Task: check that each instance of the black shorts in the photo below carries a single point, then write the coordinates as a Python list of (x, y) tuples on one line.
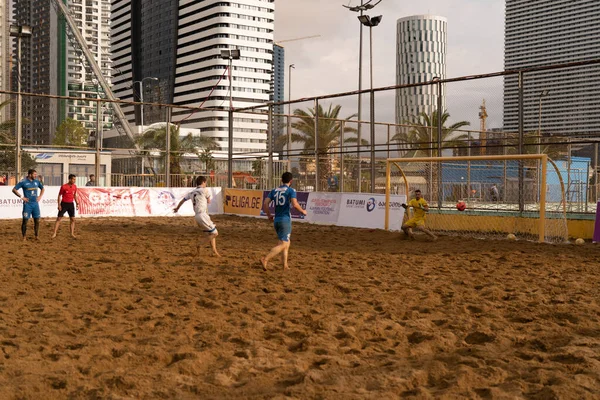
[(67, 208)]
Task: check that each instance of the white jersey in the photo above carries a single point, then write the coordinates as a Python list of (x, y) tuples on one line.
[(199, 197)]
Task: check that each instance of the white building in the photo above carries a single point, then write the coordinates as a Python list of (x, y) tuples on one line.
[(421, 44), (172, 52), (93, 19), (544, 32)]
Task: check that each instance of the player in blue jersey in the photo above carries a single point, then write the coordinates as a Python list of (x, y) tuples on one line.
[(284, 198), (31, 201)]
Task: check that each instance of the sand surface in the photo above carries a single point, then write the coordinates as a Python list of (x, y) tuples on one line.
[(127, 312)]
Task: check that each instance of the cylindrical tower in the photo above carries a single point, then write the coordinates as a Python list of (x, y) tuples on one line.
[(420, 57)]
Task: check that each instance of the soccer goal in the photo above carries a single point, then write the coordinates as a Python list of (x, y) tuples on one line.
[(484, 196)]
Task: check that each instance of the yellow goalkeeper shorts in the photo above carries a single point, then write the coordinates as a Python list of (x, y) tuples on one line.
[(414, 222)]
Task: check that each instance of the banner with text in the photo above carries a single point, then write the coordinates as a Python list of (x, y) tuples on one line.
[(368, 211), (323, 207), (302, 198), (12, 207), (243, 202), (114, 202), (164, 200)]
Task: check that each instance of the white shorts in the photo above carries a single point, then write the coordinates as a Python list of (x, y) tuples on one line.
[(205, 223)]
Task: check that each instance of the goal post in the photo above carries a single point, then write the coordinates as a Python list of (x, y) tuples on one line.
[(502, 194)]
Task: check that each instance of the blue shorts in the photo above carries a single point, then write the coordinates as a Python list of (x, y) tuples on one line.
[(31, 210), (284, 230)]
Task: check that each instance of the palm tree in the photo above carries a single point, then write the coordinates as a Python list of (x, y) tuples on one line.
[(155, 139), (421, 136), (328, 134)]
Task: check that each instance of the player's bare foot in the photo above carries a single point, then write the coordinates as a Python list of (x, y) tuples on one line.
[(73, 236), (264, 264), (217, 255), (24, 238), (434, 239), (37, 238), (53, 236)]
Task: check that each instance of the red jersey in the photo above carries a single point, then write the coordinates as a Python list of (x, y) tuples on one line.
[(67, 192)]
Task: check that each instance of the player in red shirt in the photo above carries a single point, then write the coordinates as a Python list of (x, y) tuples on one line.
[(68, 193)]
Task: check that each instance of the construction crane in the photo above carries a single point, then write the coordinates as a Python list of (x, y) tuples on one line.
[(295, 39), (62, 8)]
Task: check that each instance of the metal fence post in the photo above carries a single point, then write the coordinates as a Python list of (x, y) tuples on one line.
[(317, 145), (98, 139), (230, 149), (342, 167), (270, 141), (440, 112), (168, 146), (372, 123), (521, 135)]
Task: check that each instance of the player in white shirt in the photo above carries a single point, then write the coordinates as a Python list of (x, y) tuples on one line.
[(201, 198)]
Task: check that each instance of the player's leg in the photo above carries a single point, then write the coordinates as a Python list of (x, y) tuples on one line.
[(71, 211), (213, 242), (205, 223), (427, 232), (274, 251), (284, 255), (56, 224), (24, 227), (59, 217), (36, 214), (283, 229), (408, 226), (36, 228)]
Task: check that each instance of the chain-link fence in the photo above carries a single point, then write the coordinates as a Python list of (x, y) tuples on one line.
[(321, 140)]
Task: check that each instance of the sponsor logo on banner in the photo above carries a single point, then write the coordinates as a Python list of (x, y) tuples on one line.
[(114, 202), (301, 197), (368, 211), (324, 207), (44, 156), (12, 207), (245, 202)]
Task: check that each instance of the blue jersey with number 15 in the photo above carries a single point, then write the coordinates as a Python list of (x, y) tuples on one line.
[(282, 197)]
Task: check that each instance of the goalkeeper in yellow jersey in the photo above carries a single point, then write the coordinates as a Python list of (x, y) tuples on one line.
[(420, 208)]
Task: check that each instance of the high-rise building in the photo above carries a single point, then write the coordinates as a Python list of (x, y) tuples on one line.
[(277, 95), (93, 18), (173, 47), (42, 68), (5, 56), (420, 57), (547, 32)]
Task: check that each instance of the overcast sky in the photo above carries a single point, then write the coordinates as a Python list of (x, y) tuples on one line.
[(329, 64)]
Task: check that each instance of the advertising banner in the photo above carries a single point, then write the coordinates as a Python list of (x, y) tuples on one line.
[(302, 198), (324, 207), (12, 207), (368, 211), (114, 202), (242, 202), (164, 200)]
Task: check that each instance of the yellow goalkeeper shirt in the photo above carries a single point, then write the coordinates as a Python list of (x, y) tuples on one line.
[(418, 205)]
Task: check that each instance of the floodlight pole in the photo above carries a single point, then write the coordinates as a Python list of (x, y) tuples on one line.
[(372, 100), (19, 31), (359, 116), (289, 117), (230, 55)]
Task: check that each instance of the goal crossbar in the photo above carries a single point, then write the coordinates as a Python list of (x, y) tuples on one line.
[(541, 158)]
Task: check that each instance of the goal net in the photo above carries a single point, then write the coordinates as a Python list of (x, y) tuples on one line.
[(520, 194)]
